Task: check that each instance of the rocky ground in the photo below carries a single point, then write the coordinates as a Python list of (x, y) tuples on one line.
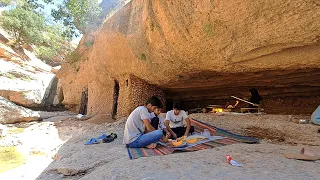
[(61, 153)]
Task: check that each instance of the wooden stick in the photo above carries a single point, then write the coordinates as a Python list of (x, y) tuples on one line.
[(243, 100)]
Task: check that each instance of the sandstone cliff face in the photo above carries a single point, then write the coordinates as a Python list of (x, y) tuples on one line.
[(201, 50), (11, 113), (25, 79)]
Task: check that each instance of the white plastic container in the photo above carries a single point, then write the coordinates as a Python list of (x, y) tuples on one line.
[(206, 133)]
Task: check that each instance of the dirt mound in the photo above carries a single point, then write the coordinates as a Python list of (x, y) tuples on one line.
[(263, 133)]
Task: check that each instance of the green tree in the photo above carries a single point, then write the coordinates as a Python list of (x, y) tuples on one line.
[(25, 26), (27, 4), (5, 3), (25, 22), (54, 45), (83, 15)]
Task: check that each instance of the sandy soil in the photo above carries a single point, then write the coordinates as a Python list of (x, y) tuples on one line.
[(261, 161), (275, 128), (62, 154)]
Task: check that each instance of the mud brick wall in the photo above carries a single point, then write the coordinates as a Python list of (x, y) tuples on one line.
[(135, 92)]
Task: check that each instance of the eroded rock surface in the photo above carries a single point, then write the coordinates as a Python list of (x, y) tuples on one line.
[(201, 50), (11, 113)]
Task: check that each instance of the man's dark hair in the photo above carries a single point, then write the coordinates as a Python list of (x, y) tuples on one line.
[(154, 101), (176, 105)]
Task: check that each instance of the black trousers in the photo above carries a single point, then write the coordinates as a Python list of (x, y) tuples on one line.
[(155, 123), (181, 130)]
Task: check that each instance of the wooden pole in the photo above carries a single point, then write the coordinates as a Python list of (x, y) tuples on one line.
[(243, 100)]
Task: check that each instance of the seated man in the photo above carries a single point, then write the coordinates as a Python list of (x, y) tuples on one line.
[(255, 98), (157, 122), (138, 131), (174, 122)]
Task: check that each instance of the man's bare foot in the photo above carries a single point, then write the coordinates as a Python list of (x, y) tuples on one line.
[(164, 139), (152, 146)]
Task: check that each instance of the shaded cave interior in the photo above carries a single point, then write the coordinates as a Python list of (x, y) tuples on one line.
[(283, 91)]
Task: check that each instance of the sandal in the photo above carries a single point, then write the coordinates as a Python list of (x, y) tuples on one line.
[(103, 136), (110, 138), (92, 141)]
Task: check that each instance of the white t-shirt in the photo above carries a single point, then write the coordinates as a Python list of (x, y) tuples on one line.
[(134, 126), (161, 124), (176, 120)]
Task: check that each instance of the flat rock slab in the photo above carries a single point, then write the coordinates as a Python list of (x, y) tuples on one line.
[(11, 113)]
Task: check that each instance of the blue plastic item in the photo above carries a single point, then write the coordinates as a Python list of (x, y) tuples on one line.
[(103, 136), (315, 117), (92, 141)]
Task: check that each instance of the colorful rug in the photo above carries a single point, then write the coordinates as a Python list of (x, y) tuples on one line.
[(227, 139)]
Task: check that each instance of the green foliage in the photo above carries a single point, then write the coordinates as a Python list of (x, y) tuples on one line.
[(27, 25), (73, 57), (208, 29), (45, 53), (78, 14), (151, 26), (11, 76), (24, 25), (54, 43), (143, 57), (89, 43), (27, 78), (5, 3), (30, 5)]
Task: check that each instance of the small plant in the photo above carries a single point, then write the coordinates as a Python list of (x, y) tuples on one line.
[(212, 2), (27, 78), (71, 82), (143, 57), (208, 29), (11, 76), (45, 53), (89, 43), (12, 42), (73, 57), (151, 26), (77, 69)]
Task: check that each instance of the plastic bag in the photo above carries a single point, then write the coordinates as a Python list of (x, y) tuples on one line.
[(315, 117)]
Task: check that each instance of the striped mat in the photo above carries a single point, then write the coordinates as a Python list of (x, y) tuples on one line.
[(229, 138)]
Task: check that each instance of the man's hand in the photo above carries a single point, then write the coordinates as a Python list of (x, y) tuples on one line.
[(188, 127), (174, 135), (149, 127), (169, 130), (168, 134)]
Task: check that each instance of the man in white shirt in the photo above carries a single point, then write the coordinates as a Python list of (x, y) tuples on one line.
[(175, 122), (157, 122), (138, 131)]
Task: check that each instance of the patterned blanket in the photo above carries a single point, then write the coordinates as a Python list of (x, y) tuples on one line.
[(220, 137)]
